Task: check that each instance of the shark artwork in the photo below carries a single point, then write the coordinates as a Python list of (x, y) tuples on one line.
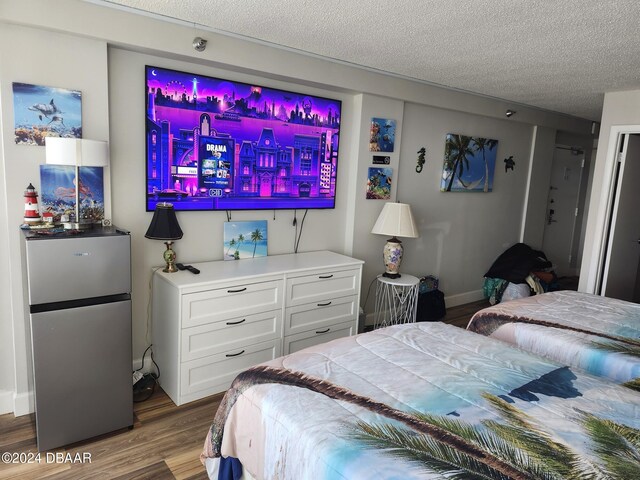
[(42, 112)]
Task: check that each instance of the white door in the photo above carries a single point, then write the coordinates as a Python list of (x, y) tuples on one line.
[(562, 205), (623, 252)]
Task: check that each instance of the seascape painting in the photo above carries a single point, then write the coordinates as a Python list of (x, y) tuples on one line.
[(469, 164), (382, 135), (245, 239), (41, 112), (58, 191), (379, 183)]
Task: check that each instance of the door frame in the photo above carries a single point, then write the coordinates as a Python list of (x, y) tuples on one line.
[(605, 207)]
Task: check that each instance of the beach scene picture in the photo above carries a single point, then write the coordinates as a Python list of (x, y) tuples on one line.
[(245, 239), (41, 112), (469, 164)]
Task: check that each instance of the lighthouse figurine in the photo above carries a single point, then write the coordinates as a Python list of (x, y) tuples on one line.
[(31, 210)]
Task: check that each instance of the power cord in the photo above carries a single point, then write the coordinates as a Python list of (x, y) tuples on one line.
[(149, 303), (298, 236), (145, 387)]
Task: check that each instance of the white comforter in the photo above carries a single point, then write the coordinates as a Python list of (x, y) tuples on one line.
[(288, 432)]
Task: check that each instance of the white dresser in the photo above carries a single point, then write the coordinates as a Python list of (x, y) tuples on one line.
[(207, 328)]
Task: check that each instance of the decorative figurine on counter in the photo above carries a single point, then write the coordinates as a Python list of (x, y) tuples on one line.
[(31, 209), (48, 218)]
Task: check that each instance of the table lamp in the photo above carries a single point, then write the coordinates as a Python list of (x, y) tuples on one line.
[(164, 226), (396, 220), (78, 152)]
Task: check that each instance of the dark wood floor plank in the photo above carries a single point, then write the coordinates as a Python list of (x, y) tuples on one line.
[(460, 315), (165, 443)]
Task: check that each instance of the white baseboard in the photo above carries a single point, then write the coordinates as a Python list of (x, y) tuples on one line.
[(23, 404), (6, 402), (464, 298)]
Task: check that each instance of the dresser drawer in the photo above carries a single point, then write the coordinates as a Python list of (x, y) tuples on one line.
[(230, 302), (214, 374), (230, 334), (299, 341), (322, 285), (320, 314)]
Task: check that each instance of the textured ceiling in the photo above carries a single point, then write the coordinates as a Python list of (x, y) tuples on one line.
[(559, 55)]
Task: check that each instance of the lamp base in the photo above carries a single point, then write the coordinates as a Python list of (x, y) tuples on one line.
[(392, 255), (391, 275), (170, 258)]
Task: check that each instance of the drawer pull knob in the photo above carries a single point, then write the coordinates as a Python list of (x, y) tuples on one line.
[(323, 331), (324, 304), (236, 323), (234, 354), (237, 291), (325, 276)]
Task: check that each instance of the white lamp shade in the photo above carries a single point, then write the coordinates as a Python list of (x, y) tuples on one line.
[(76, 151), (396, 220)]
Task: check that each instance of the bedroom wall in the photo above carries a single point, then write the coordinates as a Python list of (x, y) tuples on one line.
[(79, 64), (619, 109), (6, 330), (535, 207), (203, 231), (461, 233), (64, 43)]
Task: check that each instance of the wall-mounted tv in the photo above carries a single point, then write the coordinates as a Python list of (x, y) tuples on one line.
[(214, 144)]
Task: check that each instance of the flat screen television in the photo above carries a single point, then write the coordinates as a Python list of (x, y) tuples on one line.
[(214, 144)]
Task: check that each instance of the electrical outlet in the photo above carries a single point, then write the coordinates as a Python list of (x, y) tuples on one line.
[(137, 376)]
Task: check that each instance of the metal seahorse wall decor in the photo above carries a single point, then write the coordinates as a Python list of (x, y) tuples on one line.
[(421, 159)]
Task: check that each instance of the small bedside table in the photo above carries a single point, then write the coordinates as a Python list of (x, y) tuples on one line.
[(396, 300)]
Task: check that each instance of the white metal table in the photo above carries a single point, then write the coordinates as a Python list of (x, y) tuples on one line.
[(396, 300)]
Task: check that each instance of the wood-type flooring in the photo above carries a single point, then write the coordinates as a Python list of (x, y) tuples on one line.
[(165, 442)]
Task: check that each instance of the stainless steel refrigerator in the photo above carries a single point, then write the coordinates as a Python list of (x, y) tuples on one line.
[(80, 314)]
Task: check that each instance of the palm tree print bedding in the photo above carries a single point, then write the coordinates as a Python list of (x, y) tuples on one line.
[(597, 334), (421, 401)]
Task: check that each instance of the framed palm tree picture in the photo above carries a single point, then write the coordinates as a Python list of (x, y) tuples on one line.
[(245, 240), (469, 164)]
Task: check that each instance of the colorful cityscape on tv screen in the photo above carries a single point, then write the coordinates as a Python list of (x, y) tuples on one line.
[(216, 144)]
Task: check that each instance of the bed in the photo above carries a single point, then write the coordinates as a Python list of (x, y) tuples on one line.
[(421, 401), (597, 334)]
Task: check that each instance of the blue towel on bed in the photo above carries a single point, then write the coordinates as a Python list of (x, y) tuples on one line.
[(230, 469)]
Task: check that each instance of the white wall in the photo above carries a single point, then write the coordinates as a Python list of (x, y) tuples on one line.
[(6, 325), (78, 64), (367, 246), (461, 233), (540, 163), (203, 231), (113, 103), (619, 109)]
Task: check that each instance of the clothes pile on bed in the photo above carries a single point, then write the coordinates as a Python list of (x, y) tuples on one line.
[(520, 271)]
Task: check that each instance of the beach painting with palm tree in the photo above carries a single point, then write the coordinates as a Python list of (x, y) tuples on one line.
[(469, 164), (245, 239)]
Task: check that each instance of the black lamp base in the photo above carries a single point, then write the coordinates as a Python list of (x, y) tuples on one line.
[(391, 275)]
